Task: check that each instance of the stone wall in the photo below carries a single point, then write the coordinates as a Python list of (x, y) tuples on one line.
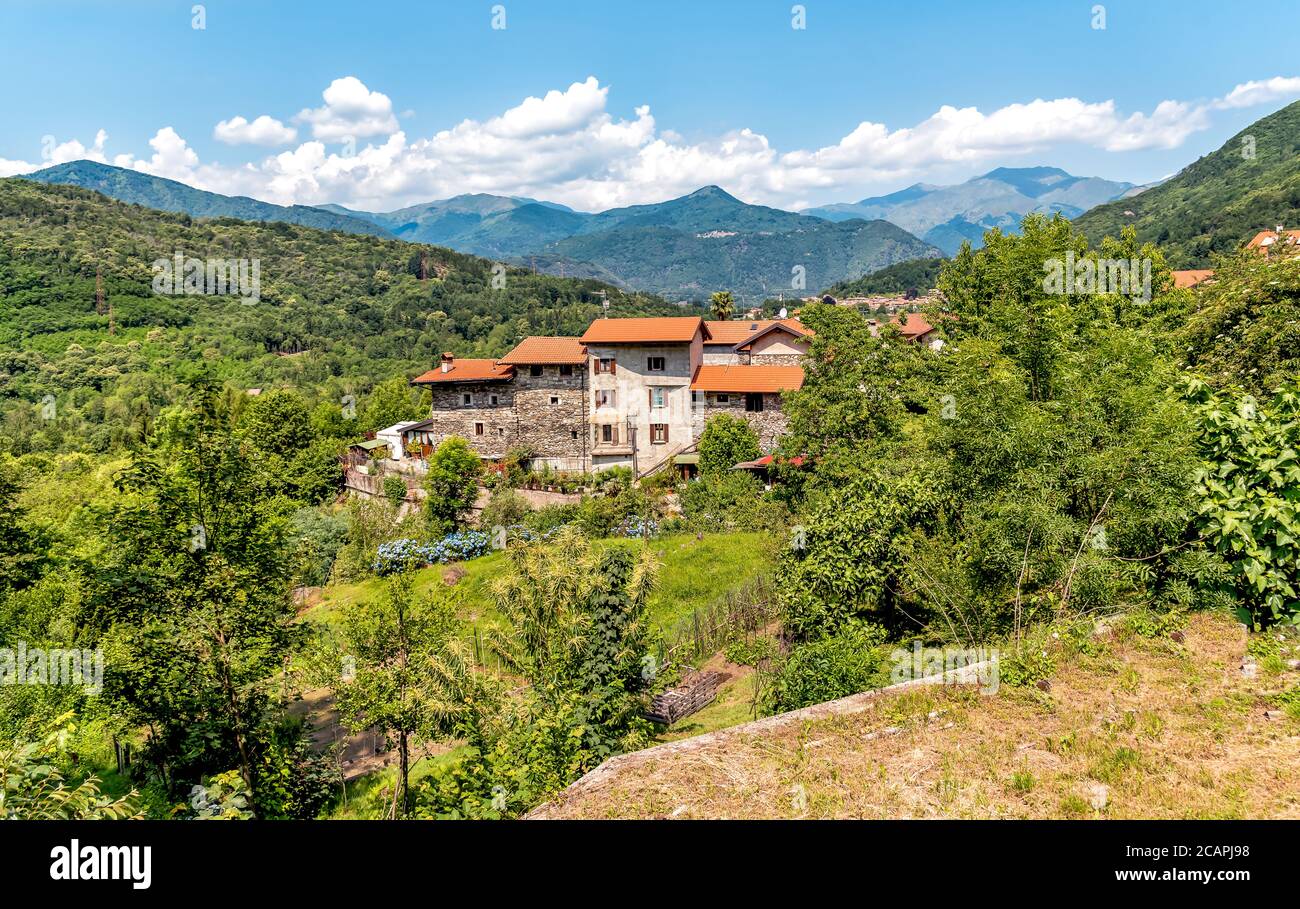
[(769, 423), (517, 414)]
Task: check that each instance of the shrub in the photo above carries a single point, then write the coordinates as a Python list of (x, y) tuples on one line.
[(725, 442), (831, 668), (504, 509), (452, 484), (394, 490)]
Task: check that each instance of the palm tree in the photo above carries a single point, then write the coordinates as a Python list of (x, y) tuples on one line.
[(722, 305)]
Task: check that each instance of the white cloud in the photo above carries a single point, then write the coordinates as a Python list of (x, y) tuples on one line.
[(1248, 94), (351, 111), (264, 130), (566, 146)]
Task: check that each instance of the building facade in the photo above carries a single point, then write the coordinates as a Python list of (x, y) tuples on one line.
[(628, 393)]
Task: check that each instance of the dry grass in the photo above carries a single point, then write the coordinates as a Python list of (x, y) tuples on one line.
[(1137, 728)]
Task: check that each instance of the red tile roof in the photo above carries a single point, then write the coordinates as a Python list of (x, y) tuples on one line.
[(1258, 241), (467, 371), (665, 330), (735, 331), (747, 378), (917, 325), (1192, 276), (792, 326), (564, 351)]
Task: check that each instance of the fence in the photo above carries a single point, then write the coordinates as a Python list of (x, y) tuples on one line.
[(737, 613)]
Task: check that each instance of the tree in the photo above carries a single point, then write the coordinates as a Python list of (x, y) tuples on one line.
[(388, 651), (190, 591), (23, 549), (452, 485), (725, 442), (393, 401), (721, 305)]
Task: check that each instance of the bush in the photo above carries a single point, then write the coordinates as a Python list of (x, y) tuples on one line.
[(504, 509), (725, 442), (831, 668), (731, 501), (401, 555), (394, 490)]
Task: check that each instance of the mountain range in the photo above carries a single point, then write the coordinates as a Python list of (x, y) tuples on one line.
[(682, 248), (945, 216), (1213, 205), (138, 188)]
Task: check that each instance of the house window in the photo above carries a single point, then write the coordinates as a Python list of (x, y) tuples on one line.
[(658, 397), (654, 364), (609, 434), (606, 365), (535, 370), (492, 399), (555, 399), (754, 403), (466, 399), (573, 434), (478, 429), (658, 433), (605, 397), (724, 399), (566, 369)]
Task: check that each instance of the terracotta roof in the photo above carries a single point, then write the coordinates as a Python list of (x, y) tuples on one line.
[(1259, 239), (736, 331), (467, 371), (747, 378), (793, 326), (665, 330), (565, 351), (767, 461), (917, 325), (1192, 276)]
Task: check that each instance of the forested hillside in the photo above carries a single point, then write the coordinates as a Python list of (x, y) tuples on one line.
[(337, 313), (1217, 203)]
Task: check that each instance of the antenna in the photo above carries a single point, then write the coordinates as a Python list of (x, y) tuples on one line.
[(783, 312)]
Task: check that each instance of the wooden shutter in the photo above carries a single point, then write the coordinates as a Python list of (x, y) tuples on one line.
[(613, 366), (665, 433)]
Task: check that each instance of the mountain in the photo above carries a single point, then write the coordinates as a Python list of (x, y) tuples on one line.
[(1219, 201), (944, 216), (687, 247), (709, 240), (168, 195), (477, 223)]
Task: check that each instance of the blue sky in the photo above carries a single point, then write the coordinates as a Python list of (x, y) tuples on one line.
[(650, 99)]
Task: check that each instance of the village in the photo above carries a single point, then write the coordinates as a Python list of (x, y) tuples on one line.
[(632, 393)]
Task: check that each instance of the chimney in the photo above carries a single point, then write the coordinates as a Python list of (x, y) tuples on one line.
[(447, 360), (1279, 230)]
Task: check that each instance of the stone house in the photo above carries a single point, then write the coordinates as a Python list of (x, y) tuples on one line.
[(629, 392)]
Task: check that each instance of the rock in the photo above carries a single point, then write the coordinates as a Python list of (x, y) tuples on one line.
[(1178, 637), (1044, 685), (1098, 796), (1249, 670), (1293, 664)]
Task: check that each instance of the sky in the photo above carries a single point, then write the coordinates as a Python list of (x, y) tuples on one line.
[(377, 105)]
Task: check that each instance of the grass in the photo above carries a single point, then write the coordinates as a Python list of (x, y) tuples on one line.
[(1140, 726), (693, 573)]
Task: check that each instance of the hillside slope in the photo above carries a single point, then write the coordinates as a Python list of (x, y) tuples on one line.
[(168, 195), (1147, 727), (1220, 201)]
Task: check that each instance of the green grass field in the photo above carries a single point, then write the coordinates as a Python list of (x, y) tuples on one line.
[(693, 572)]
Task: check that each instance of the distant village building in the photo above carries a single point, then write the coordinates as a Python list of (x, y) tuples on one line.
[(1266, 239), (1190, 277)]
